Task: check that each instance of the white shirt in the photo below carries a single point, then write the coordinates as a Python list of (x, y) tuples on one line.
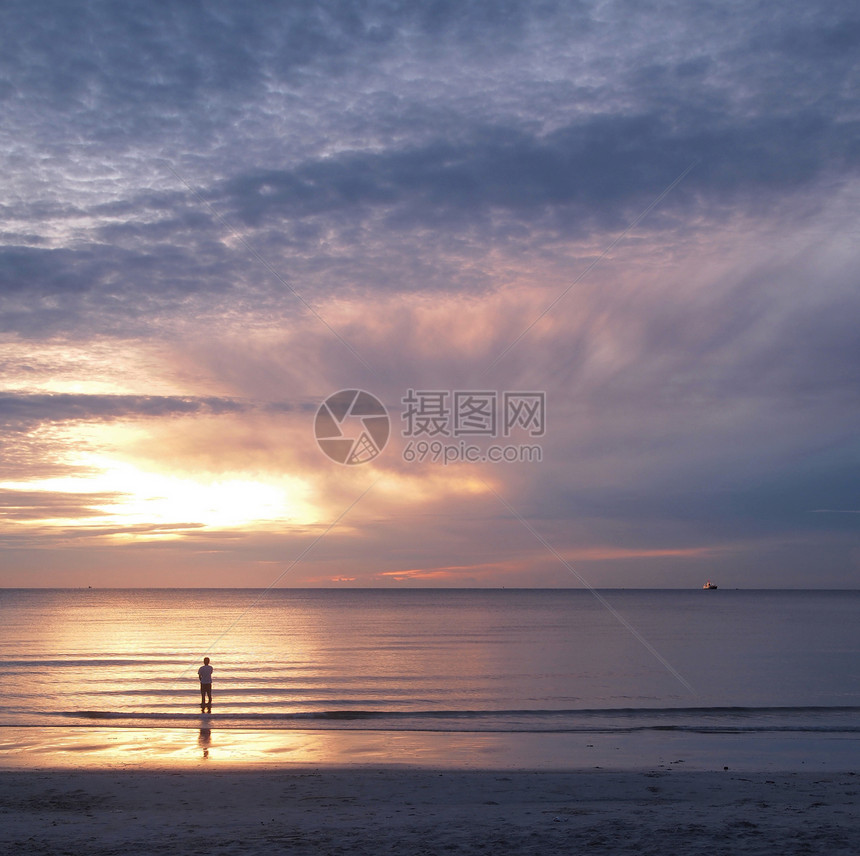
[(205, 674)]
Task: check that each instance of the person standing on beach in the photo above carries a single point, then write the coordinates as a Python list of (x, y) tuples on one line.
[(205, 675)]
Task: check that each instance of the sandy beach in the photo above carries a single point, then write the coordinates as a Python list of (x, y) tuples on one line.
[(425, 811), (164, 791)]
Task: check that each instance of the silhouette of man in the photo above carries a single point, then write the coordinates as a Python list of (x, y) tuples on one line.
[(205, 675)]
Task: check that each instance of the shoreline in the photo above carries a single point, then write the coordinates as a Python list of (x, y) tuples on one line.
[(147, 748), (389, 809), (104, 791)]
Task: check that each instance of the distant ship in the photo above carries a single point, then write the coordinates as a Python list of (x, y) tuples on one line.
[(709, 585)]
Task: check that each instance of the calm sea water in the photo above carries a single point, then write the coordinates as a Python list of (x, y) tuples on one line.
[(449, 660)]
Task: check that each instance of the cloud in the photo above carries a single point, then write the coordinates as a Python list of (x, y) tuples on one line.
[(353, 211), (596, 171), (34, 505), (431, 178), (24, 412)]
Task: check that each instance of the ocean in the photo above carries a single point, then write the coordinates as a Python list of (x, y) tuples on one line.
[(528, 661)]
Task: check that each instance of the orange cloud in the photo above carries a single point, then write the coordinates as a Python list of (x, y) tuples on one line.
[(453, 573)]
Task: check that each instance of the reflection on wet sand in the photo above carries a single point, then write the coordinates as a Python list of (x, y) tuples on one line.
[(235, 747), (158, 748), (204, 740)]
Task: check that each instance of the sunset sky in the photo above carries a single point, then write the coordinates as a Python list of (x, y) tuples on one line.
[(215, 215)]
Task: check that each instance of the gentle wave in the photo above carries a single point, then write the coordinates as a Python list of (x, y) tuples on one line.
[(606, 711), (705, 720)]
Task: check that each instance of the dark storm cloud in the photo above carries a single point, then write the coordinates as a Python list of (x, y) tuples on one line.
[(24, 412), (504, 184), (178, 72), (107, 287), (38, 271), (597, 168), (136, 59), (381, 179), (147, 62), (41, 272)]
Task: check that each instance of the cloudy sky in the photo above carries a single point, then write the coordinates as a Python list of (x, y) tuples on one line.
[(215, 215)]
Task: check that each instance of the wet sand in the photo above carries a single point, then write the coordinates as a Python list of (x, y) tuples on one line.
[(219, 748)]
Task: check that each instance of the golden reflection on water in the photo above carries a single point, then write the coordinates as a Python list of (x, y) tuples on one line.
[(178, 748), (211, 748), (155, 748), (159, 748)]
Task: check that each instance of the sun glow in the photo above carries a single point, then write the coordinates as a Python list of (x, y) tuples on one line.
[(125, 496)]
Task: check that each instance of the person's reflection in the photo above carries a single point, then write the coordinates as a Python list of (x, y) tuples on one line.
[(204, 740)]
